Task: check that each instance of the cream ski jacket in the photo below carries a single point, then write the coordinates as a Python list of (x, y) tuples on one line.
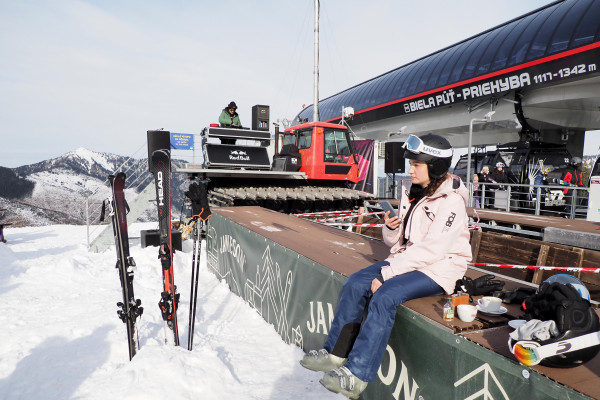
[(437, 236)]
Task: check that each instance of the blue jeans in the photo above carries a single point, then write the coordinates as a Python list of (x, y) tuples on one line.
[(367, 352)]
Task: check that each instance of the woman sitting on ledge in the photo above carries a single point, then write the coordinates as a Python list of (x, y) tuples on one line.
[(430, 250)]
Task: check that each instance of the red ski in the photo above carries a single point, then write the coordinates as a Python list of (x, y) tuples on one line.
[(161, 168)]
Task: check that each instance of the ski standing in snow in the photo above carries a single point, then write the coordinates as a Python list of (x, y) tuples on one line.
[(161, 168), (130, 309)]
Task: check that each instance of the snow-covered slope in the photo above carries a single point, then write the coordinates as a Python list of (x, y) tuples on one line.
[(61, 337)]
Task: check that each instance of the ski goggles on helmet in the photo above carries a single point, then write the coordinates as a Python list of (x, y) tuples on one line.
[(531, 353), (525, 352), (416, 145)]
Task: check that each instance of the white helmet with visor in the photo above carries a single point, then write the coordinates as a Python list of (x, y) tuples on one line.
[(432, 149)]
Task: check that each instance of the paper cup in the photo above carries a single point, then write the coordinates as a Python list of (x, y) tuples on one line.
[(489, 303), (466, 312)]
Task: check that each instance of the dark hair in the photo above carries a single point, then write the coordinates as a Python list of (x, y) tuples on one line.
[(434, 185)]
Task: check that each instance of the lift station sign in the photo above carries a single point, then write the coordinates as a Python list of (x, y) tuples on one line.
[(544, 72)]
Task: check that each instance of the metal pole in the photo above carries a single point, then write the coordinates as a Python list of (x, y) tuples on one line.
[(482, 195), (376, 168), (469, 158), (470, 202), (573, 203), (193, 149), (316, 68), (276, 150), (87, 220)]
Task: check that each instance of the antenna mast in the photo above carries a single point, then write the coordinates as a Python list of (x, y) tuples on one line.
[(316, 68)]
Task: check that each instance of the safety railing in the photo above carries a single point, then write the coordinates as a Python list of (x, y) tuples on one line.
[(551, 200)]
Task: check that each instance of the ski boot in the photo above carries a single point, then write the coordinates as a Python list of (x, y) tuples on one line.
[(342, 380), (321, 361)]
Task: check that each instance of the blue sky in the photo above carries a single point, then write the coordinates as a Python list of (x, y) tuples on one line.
[(98, 74)]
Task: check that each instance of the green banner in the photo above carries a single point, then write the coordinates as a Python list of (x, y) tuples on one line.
[(288, 290), (423, 360)]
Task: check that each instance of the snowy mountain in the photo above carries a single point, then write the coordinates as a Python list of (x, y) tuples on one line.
[(61, 189)]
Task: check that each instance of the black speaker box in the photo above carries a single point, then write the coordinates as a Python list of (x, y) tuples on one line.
[(151, 237), (260, 118), (394, 157), (157, 140)]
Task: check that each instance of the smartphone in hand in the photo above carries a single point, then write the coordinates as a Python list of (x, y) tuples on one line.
[(388, 207)]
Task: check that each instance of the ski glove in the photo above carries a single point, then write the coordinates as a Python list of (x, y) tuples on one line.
[(484, 285), (516, 296), (198, 195)]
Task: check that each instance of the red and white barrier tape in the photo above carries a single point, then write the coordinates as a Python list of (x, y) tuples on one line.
[(353, 224), (347, 216), (322, 213)]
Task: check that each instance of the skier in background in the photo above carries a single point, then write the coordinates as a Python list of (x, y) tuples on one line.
[(574, 176), (486, 190), (476, 191), (573, 173), (499, 175)]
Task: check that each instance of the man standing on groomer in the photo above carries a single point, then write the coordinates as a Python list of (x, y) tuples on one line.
[(229, 117)]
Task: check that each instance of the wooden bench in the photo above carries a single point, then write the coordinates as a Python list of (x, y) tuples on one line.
[(495, 248), (431, 307)]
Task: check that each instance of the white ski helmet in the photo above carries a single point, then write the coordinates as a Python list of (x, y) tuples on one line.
[(435, 150), (565, 300), (571, 280)]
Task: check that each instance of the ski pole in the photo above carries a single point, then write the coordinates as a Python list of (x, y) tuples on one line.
[(194, 281), (192, 285), (545, 268), (198, 194)]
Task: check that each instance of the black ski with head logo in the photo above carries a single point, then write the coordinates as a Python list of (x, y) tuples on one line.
[(161, 168)]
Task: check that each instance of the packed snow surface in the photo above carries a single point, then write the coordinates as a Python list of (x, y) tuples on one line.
[(61, 337)]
